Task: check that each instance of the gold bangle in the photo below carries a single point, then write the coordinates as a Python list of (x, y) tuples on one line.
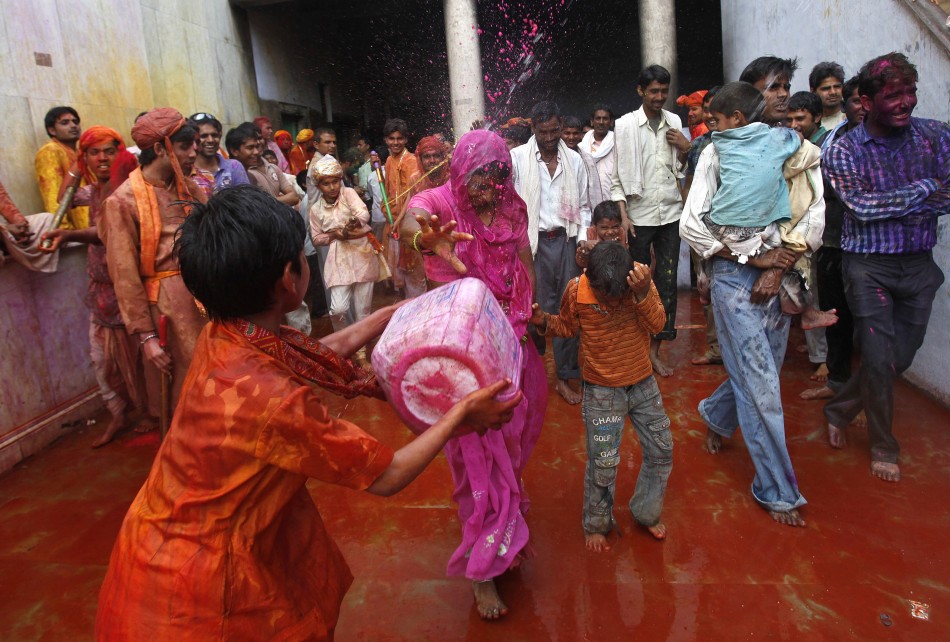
[(415, 241)]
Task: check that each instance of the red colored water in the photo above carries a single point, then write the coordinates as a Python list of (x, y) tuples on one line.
[(872, 552)]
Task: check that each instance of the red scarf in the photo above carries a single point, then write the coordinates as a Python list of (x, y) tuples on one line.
[(310, 359)]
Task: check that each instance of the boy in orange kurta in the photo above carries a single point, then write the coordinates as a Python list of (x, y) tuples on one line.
[(224, 542), (401, 165)]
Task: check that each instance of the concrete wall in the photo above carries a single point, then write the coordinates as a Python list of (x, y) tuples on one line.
[(45, 366), (852, 33), (112, 59)]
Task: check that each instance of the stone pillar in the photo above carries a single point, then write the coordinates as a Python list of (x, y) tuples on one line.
[(465, 64), (658, 37)]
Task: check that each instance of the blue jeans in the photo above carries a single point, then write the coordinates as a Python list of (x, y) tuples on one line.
[(605, 411), (753, 338)]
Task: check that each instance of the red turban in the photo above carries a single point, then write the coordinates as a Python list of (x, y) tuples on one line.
[(283, 132), (429, 144), (158, 126), (122, 164), (695, 99)]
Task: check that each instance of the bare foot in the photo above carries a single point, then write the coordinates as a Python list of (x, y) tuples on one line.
[(885, 470), (487, 601), (812, 318), (836, 437), (570, 395), (789, 518), (713, 442), (820, 374), (813, 394), (658, 531), (119, 422), (861, 421), (596, 542), (659, 366), (706, 360)]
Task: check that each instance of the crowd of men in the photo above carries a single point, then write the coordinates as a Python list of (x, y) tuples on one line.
[(884, 184)]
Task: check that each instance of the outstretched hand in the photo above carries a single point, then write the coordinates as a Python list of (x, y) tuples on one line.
[(483, 412), (441, 239)]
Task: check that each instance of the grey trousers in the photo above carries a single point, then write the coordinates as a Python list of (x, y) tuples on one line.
[(555, 265), (605, 411)]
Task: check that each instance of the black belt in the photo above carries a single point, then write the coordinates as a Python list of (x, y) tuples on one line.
[(552, 234)]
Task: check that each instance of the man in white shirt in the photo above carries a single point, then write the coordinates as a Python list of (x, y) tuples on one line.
[(651, 154), (599, 143), (552, 180)]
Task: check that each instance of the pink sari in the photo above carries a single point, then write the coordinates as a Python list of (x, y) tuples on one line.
[(487, 470)]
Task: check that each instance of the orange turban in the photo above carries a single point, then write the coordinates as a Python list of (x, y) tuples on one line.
[(429, 144), (304, 135), (157, 126), (695, 99), (122, 165), (282, 132)]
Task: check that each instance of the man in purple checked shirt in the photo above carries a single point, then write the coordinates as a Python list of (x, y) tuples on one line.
[(892, 175)]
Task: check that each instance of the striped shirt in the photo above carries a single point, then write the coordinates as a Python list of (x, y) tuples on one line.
[(893, 189), (615, 341)]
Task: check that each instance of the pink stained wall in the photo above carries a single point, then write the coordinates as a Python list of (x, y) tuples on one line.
[(46, 376)]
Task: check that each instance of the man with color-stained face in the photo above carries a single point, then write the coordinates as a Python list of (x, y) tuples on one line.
[(651, 155), (267, 131), (892, 174)]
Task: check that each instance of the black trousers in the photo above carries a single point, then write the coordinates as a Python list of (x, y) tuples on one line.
[(840, 336), (665, 241), (891, 296)]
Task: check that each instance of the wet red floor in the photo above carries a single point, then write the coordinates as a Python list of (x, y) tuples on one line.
[(869, 552)]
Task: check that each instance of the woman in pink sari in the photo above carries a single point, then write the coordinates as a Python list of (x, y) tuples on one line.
[(476, 225)]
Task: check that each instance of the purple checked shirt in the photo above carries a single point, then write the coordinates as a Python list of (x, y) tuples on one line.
[(893, 189)]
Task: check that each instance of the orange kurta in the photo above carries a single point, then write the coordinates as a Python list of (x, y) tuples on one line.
[(120, 230), (52, 162), (223, 542), (298, 159)]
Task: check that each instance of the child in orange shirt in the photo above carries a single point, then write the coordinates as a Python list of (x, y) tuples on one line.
[(224, 541)]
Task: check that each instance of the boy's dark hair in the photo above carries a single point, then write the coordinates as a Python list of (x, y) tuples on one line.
[(739, 96), (573, 122), (823, 70), (607, 269), (606, 211), (653, 73), (187, 133), (769, 66), (232, 250), (878, 72), (805, 100), (849, 87), (237, 135), (711, 93), (302, 179), (521, 134), (544, 111), (53, 115), (267, 154), (396, 125), (352, 155), (602, 107)]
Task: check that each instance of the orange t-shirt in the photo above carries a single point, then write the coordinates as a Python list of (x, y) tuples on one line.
[(615, 342), (223, 541)]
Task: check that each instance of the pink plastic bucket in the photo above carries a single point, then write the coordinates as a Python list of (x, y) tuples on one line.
[(442, 346)]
